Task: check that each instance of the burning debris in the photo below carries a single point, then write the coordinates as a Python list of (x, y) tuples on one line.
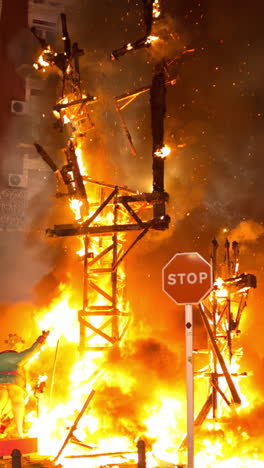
[(151, 12)]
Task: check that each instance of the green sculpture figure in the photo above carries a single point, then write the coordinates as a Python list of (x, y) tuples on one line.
[(12, 380)]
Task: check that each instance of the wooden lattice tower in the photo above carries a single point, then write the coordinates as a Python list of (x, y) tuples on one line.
[(221, 315), (103, 224)]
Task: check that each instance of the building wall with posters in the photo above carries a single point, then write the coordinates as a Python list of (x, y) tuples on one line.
[(21, 110), (22, 172)]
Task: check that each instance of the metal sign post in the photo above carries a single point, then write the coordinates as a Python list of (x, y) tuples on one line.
[(187, 279), (189, 383)]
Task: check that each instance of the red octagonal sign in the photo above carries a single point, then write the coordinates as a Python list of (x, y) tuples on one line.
[(187, 278)]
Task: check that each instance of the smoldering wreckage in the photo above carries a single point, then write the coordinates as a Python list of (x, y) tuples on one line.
[(105, 416)]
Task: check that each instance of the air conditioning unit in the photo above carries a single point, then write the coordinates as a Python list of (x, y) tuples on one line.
[(18, 180), (18, 107)]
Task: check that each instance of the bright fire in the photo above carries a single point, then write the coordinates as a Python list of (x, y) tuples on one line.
[(163, 152), (127, 401)]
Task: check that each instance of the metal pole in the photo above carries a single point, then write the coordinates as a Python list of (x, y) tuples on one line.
[(189, 381)]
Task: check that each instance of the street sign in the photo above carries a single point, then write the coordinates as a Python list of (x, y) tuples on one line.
[(187, 278)]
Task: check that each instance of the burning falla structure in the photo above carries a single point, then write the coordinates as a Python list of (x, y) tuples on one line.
[(97, 407)]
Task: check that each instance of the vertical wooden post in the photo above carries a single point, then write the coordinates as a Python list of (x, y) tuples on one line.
[(158, 110), (141, 446), (16, 458)]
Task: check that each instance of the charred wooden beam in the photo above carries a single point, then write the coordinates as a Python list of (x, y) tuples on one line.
[(131, 95), (103, 454), (148, 15), (67, 230), (42, 41), (158, 111), (103, 184), (240, 283), (141, 446), (227, 256), (204, 411), (230, 383), (78, 180), (99, 256), (65, 35), (125, 128), (75, 424), (144, 197), (60, 106), (100, 209), (235, 248), (142, 234), (214, 382), (76, 52), (125, 99), (241, 307), (45, 156), (214, 258), (95, 311), (98, 331), (132, 213), (130, 47), (61, 175), (101, 292)]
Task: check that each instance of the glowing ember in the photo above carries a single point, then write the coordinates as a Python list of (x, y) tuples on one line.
[(163, 152), (151, 39), (43, 61), (156, 12)]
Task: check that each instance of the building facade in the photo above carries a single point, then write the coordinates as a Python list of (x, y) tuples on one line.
[(21, 110), (23, 175)]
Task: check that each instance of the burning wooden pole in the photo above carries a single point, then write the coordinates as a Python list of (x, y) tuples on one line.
[(141, 446), (158, 110), (214, 258), (16, 458), (75, 424)]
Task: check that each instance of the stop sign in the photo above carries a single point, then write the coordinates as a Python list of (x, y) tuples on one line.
[(187, 278)]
